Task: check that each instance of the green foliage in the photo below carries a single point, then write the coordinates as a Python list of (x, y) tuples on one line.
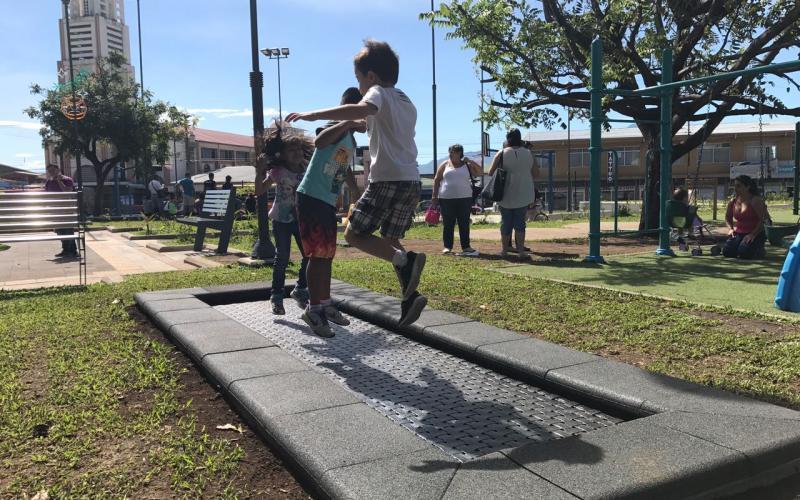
[(538, 54), (117, 116)]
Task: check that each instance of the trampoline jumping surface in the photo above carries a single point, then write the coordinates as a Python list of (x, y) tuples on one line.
[(462, 408)]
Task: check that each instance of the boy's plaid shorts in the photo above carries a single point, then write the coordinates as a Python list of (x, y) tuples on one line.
[(389, 206)]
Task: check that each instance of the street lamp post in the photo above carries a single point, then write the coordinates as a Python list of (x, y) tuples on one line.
[(263, 249), (278, 53), (433, 88), (74, 96)]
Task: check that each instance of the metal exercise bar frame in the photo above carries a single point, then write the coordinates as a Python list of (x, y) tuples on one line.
[(595, 149), (795, 196), (784, 67), (665, 90)]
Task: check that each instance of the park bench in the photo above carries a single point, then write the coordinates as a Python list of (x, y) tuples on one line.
[(219, 208), (31, 216)]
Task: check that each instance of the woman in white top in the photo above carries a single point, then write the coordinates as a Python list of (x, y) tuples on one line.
[(517, 161), (452, 191)]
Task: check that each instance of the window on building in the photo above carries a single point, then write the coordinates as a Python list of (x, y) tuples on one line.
[(541, 158), (226, 154), (243, 155), (628, 156), (752, 152), (716, 153), (208, 153), (579, 158)]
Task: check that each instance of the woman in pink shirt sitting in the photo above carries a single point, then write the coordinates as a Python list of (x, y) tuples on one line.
[(746, 216)]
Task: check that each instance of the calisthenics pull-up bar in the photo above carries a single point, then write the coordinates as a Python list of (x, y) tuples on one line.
[(665, 92)]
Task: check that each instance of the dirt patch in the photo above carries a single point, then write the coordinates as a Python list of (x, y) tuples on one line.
[(260, 473), (755, 327)]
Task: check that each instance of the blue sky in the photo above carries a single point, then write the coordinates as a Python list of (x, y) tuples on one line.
[(196, 56)]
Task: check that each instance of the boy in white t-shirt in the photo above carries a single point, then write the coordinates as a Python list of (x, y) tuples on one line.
[(391, 197)]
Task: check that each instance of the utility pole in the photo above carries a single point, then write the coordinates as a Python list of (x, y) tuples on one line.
[(74, 96), (433, 87), (263, 249)]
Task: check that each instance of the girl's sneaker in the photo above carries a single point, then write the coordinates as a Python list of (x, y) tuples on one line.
[(334, 316), (318, 323), (447, 251), (469, 252), (277, 306), (300, 295)]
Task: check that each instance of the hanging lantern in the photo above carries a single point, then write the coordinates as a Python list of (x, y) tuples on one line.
[(74, 108)]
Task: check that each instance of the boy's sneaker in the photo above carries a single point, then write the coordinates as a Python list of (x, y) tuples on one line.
[(300, 295), (319, 325), (334, 316), (469, 252), (446, 251), (410, 273), (277, 307), (411, 308)]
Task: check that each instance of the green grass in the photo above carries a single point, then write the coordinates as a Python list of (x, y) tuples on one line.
[(4, 247), (748, 285), (669, 338), (74, 361)]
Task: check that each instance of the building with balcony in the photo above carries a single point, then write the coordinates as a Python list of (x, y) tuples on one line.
[(732, 149)]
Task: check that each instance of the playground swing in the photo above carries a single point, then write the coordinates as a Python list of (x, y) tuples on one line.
[(682, 217)]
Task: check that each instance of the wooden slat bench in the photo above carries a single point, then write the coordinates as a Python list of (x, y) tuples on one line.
[(31, 216), (217, 213)]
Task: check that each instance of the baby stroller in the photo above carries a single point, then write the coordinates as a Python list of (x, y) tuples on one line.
[(687, 229)]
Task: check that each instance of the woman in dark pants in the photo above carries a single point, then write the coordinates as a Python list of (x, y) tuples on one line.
[(452, 191), (746, 215)]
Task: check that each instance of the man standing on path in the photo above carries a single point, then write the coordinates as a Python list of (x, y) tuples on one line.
[(58, 183), (228, 184), (187, 191), (209, 184)]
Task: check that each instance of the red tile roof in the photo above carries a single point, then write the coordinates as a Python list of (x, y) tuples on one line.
[(216, 137)]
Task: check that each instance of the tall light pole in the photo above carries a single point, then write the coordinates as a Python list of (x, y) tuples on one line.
[(263, 249), (74, 96), (433, 88), (278, 53)]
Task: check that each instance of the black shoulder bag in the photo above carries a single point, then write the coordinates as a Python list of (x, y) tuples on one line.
[(496, 187)]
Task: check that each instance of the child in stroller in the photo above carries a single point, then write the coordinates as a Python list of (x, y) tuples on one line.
[(686, 224)]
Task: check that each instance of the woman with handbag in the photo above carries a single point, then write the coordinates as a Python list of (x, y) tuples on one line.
[(517, 162), (454, 192)]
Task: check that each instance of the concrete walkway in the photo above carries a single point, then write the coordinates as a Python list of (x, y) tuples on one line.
[(576, 230), (109, 258)]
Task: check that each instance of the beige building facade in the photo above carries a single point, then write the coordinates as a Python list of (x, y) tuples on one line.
[(732, 149)]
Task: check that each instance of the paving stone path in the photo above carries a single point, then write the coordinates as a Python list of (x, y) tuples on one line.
[(465, 410)]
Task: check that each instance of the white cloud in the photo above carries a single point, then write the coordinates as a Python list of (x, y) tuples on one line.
[(19, 124), (223, 113)]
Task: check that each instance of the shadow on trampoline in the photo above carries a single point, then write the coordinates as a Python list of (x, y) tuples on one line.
[(425, 401)]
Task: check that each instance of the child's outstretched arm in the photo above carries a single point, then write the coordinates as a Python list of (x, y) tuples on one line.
[(334, 133), (345, 112)]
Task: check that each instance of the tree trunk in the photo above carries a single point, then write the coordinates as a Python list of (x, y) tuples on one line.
[(99, 201), (650, 218)]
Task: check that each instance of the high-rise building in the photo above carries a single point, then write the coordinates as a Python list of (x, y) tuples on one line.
[(97, 28)]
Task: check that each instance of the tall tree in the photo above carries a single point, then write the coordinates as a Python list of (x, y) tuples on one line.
[(539, 58), (115, 116)]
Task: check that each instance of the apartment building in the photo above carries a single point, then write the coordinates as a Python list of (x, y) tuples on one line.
[(97, 28)]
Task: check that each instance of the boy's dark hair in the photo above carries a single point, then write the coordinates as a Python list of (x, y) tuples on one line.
[(456, 147), (514, 138), (351, 96), (379, 58), (680, 194)]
